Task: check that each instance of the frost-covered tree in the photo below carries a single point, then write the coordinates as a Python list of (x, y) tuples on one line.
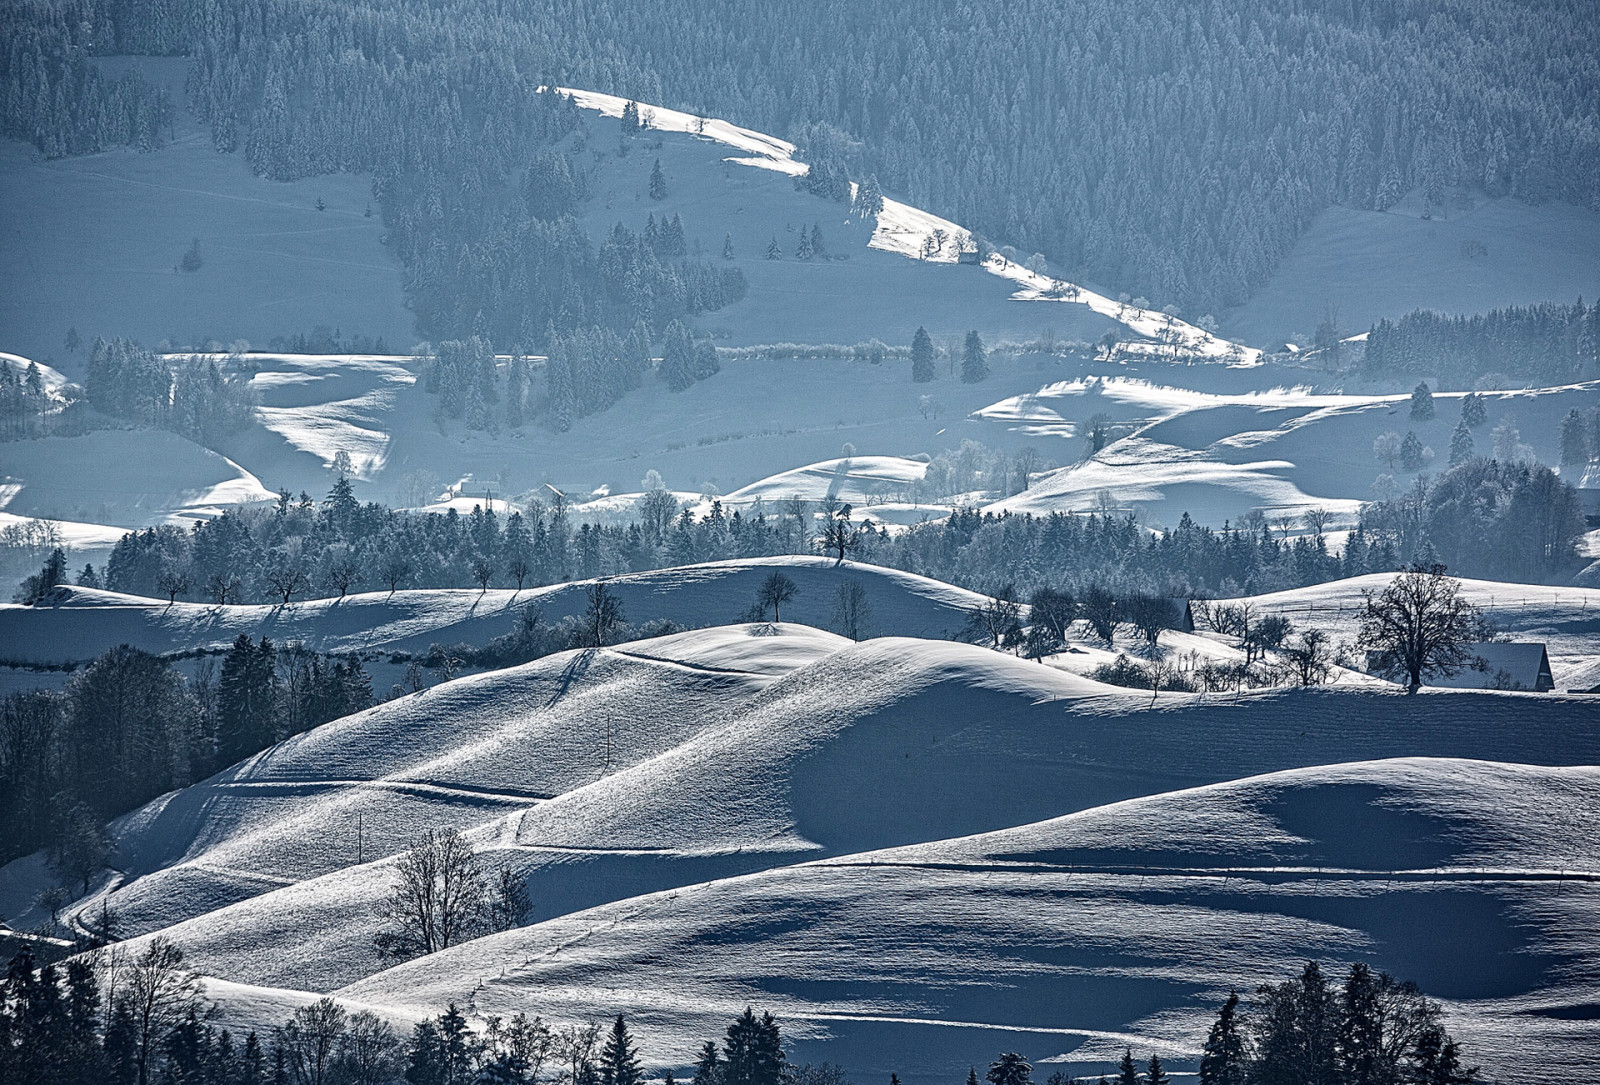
[(677, 357), (658, 182), (1411, 452), (974, 359), (1460, 444), (922, 356), (1421, 402), (1474, 411), (1386, 448)]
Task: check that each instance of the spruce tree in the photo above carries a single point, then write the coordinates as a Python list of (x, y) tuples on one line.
[(1223, 1059), (619, 1061), (708, 1070), (1009, 1069), (1474, 412), (1411, 458), (1155, 1074), (658, 182), (727, 246), (974, 359), (774, 250), (1421, 402), (922, 356), (247, 700), (1127, 1072), (1574, 439), (677, 357), (1460, 444), (803, 250)]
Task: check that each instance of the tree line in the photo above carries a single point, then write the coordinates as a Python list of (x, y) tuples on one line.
[(1483, 517), (110, 1015), (1541, 344), (130, 726)]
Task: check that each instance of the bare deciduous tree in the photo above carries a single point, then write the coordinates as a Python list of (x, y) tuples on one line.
[(160, 993), (776, 590), (604, 613), (851, 611), (438, 896), (1420, 624)]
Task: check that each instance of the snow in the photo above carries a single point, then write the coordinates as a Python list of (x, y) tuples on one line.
[(853, 479), (1565, 619), (1068, 938), (85, 622)]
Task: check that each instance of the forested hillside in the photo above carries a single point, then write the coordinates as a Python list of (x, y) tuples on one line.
[(1174, 150)]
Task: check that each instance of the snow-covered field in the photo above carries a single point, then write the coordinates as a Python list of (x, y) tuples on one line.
[(674, 784)]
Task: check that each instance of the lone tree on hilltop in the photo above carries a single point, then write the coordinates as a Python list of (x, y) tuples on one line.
[(776, 590), (922, 356), (1419, 625)]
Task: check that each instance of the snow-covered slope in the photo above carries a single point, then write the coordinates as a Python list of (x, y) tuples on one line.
[(82, 622), (1122, 925), (1217, 456), (730, 751), (1566, 619)]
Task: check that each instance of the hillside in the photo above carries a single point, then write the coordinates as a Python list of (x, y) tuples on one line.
[(1362, 265), (81, 623), (1124, 924), (730, 751), (1218, 456)]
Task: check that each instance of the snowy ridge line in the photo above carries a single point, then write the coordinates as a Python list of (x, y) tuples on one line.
[(921, 235), (413, 787), (1459, 874)]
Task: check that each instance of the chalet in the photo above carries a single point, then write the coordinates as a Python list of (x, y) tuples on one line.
[(1524, 665)]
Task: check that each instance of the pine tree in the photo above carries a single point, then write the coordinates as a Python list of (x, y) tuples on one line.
[(708, 1070), (974, 359), (247, 700), (1574, 439), (677, 357), (1411, 458), (1009, 1069), (1460, 444), (922, 356), (1474, 412), (1223, 1059), (803, 250), (1127, 1072), (1421, 402), (774, 250), (817, 248), (1154, 1073), (658, 182), (619, 1061)]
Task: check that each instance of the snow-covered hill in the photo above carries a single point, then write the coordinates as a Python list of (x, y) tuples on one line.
[(81, 623), (603, 776), (1122, 925)]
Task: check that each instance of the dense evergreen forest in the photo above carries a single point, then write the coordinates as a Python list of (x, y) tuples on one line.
[(1541, 344), (1174, 150)]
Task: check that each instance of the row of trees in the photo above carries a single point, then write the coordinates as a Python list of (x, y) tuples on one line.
[(130, 726), (1490, 518), (1484, 518), (143, 1019), (1542, 344), (23, 401), (193, 396)]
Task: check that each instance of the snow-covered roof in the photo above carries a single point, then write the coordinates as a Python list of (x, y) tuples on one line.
[(1519, 665)]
